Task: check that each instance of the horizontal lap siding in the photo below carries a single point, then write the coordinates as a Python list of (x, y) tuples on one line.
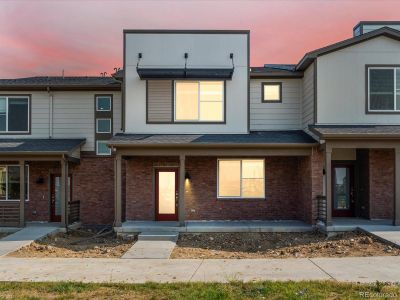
[(159, 101), (308, 97), (276, 116)]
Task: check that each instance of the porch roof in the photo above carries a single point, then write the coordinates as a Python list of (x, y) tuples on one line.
[(260, 138), (356, 131), (39, 146)]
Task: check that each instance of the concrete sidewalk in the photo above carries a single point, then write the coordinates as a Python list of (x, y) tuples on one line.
[(356, 269), (25, 236), (386, 233)]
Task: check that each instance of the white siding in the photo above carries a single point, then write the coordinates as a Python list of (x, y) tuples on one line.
[(341, 82), (73, 115), (308, 97), (205, 51), (369, 28), (276, 116)]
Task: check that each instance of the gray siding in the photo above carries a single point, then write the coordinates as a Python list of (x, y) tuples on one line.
[(308, 97), (276, 116), (159, 100)]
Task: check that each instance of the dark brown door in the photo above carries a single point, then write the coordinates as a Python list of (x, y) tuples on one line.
[(343, 198), (55, 198), (166, 194)]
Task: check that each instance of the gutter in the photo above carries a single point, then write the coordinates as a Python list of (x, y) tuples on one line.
[(230, 145)]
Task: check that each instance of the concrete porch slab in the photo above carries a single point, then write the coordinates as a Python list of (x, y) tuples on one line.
[(352, 224)]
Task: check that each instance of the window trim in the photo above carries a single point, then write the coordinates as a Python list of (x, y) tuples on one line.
[(27, 188), (29, 97), (240, 197), (174, 121), (103, 119), (367, 98), (279, 83), (104, 96), (97, 149)]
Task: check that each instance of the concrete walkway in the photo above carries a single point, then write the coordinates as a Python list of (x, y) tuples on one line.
[(25, 236), (355, 269), (150, 249), (386, 233)]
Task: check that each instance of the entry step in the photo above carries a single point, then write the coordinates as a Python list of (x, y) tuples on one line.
[(158, 236)]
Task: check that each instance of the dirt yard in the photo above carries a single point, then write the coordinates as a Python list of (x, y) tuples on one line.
[(80, 243), (278, 245)]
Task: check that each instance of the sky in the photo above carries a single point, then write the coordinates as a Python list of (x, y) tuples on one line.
[(40, 37)]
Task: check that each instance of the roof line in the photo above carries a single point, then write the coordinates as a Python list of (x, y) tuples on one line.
[(185, 31)]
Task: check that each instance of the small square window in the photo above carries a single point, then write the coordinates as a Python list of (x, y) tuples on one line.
[(271, 92), (103, 125), (102, 148), (103, 103)]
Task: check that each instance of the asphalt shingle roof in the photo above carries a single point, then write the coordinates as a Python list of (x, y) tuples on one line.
[(39, 145), (353, 130), (255, 137)]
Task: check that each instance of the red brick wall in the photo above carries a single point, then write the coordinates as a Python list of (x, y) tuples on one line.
[(381, 172), (282, 191)]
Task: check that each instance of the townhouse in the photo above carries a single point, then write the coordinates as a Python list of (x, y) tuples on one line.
[(189, 131)]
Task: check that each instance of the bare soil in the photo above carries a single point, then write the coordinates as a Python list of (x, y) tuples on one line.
[(279, 245), (78, 244)]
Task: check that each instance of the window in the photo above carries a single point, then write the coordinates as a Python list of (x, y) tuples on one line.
[(199, 101), (103, 125), (384, 89), (14, 114), (102, 148), (241, 178), (9, 182), (271, 92), (103, 103)]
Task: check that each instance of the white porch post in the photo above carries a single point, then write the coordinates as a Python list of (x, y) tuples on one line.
[(328, 185), (396, 220), (117, 191), (21, 193), (181, 205)]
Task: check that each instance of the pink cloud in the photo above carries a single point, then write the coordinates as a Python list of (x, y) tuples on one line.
[(85, 37)]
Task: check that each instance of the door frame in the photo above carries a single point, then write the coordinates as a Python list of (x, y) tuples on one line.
[(53, 216), (166, 217), (351, 212)]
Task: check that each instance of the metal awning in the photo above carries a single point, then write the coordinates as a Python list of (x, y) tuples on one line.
[(185, 73)]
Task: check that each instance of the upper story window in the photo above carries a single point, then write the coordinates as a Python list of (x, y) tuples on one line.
[(103, 103), (199, 101), (271, 92), (14, 114), (383, 89)]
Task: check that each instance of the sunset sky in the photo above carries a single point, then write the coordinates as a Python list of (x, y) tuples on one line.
[(85, 37)]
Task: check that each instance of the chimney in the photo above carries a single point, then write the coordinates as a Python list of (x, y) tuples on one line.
[(368, 26)]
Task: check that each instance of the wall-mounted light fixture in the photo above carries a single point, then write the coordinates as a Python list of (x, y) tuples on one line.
[(187, 176)]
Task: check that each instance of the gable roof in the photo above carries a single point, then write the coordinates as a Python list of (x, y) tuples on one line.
[(311, 56), (60, 83)]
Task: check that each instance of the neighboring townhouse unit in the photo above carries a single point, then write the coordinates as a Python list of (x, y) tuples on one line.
[(188, 131)]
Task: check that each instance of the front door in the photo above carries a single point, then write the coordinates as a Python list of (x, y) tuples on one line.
[(166, 194), (55, 201), (343, 201)]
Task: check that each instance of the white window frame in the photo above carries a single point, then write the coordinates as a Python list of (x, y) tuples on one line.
[(97, 125), (241, 190), (395, 108), (97, 149), (27, 186), (97, 103), (29, 114), (198, 102)]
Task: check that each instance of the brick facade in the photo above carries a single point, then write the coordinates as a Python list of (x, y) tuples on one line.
[(381, 182), (283, 175)]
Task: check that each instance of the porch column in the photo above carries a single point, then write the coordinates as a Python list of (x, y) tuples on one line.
[(181, 206), (396, 220), (117, 191), (21, 193), (328, 185), (64, 188)]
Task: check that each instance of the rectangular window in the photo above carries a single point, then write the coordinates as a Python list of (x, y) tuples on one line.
[(9, 182), (241, 178), (102, 148), (14, 114), (103, 125), (199, 101), (103, 103), (271, 92), (383, 89)]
